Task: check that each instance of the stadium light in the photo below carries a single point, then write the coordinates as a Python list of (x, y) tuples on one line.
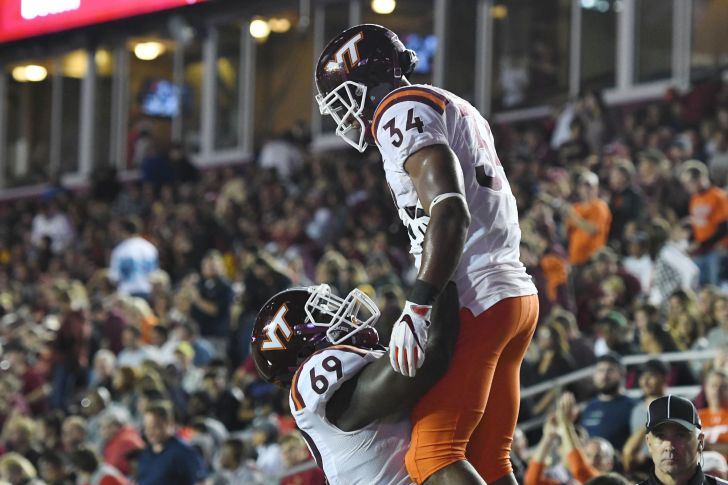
[(259, 29), (279, 25), (32, 73), (148, 51), (383, 7)]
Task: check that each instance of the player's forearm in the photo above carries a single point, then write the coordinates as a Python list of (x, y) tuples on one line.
[(444, 241)]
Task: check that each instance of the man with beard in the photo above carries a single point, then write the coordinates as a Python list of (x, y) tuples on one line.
[(608, 414), (675, 443)]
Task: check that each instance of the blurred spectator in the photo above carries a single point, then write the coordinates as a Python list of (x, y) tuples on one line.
[(715, 416), (133, 260), (103, 369), (608, 414), (134, 352), (588, 220), (183, 169), (598, 454), (119, 438), (90, 471), (156, 168), (73, 433), (653, 384), (265, 440), (626, 203), (236, 466), (52, 469), (212, 296), (718, 160), (294, 453), (538, 471), (283, 154), (673, 268), (17, 437), (53, 224), (709, 218), (17, 470), (715, 464), (70, 348), (166, 459)]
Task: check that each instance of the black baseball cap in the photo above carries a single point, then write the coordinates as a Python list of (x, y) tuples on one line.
[(672, 409)]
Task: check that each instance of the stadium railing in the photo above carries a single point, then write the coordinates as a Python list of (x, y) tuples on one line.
[(631, 360)]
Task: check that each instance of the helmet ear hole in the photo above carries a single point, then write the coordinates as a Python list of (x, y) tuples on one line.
[(408, 61)]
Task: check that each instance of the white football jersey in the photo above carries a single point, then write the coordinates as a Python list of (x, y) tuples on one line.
[(373, 454), (413, 117)]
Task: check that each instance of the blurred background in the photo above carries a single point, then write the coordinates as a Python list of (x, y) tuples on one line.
[(164, 171)]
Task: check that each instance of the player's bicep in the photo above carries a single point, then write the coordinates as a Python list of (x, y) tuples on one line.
[(379, 391), (435, 170)]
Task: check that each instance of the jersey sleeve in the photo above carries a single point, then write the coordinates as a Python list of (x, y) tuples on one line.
[(323, 373), (407, 120)]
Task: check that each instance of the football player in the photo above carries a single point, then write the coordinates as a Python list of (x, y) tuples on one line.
[(455, 201), (349, 404)]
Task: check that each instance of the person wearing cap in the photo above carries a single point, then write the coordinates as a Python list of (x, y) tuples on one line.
[(709, 217), (675, 441), (653, 384), (715, 416)]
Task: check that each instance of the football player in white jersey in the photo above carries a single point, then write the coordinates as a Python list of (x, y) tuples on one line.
[(454, 198), (351, 407)]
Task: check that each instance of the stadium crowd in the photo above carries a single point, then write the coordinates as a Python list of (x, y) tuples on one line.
[(126, 309)]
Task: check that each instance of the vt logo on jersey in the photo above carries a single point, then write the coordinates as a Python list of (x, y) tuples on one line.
[(348, 54), (272, 341)]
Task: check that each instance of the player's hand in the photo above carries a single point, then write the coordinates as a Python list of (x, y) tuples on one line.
[(409, 339)]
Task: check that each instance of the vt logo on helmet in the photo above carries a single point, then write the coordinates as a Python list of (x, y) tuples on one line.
[(355, 71), (296, 323)]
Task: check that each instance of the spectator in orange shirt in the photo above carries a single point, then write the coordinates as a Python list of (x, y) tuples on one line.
[(715, 416), (588, 220), (119, 439), (709, 218)]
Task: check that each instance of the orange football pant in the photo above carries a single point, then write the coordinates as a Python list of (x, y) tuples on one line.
[(471, 412)]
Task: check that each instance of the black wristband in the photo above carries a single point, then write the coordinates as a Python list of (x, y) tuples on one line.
[(423, 293)]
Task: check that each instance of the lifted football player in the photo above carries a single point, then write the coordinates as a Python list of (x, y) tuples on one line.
[(454, 198), (352, 408)]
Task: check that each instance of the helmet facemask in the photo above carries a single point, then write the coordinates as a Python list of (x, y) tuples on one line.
[(345, 104), (343, 318)]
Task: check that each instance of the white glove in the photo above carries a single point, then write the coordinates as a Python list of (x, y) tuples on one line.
[(409, 339)]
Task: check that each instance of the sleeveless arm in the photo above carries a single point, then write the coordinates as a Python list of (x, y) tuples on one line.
[(379, 391)]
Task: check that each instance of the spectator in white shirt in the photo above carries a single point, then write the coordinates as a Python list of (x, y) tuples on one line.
[(133, 261), (50, 222), (674, 269), (134, 353)]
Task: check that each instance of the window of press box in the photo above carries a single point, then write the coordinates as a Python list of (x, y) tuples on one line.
[(154, 99), (598, 44), (336, 20), (102, 108), (283, 78), (460, 51), (653, 38), (709, 48), (530, 52), (227, 77), (29, 93)]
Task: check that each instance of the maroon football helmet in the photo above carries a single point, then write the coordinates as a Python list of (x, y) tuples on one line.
[(355, 71), (295, 323)]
